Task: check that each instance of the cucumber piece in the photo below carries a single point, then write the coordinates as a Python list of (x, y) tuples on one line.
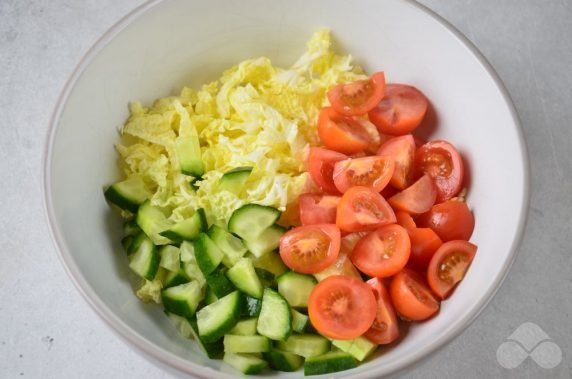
[(214, 350), (136, 242), (360, 348), (218, 318), (152, 221), (283, 361), (329, 362), (235, 179), (189, 263), (250, 306), (266, 242), (245, 327), (144, 258), (246, 363), (246, 344), (300, 321), (126, 242), (187, 229), (175, 278), (183, 299), (128, 194), (306, 345), (170, 257), (275, 320), (243, 276), (189, 155), (219, 284), (270, 262), (296, 288), (250, 220), (266, 278), (130, 228), (207, 253), (210, 297), (231, 246)]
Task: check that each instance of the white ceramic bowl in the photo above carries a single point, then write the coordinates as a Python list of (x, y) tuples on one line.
[(163, 45)]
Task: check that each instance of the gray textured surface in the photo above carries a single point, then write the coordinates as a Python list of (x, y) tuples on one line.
[(47, 330)]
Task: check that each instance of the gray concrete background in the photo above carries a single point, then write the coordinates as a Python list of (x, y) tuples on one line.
[(48, 331)]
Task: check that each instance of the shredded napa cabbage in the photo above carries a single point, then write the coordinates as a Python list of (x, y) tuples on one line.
[(255, 115)]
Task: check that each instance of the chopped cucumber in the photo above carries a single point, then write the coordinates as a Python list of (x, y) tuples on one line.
[(214, 350), (283, 360), (190, 265), (231, 246), (300, 321), (130, 228), (144, 258), (189, 155), (183, 299), (250, 306), (175, 278), (266, 278), (360, 348), (275, 320), (128, 194), (266, 242), (269, 262), (218, 318), (243, 276), (245, 327), (306, 345), (296, 288), (219, 284), (246, 363), (235, 179), (187, 229), (246, 344), (136, 242), (126, 242), (207, 253), (250, 220), (152, 221), (329, 362), (210, 297), (170, 257)]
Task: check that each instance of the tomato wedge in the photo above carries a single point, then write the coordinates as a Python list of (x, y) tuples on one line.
[(359, 97), (318, 209), (400, 111), (449, 265), (362, 209), (342, 307), (346, 134), (383, 252), (373, 172), (451, 220), (402, 151), (443, 163), (411, 296), (424, 244), (310, 249), (404, 219), (384, 329), (417, 198), (321, 167)]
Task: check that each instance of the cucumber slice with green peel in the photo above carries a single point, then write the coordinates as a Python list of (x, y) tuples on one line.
[(175, 278), (144, 258), (153, 221), (136, 242), (128, 194), (306, 345), (210, 297), (270, 262), (246, 344), (267, 241), (296, 288), (126, 242), (207, 253), (248, 364), (170, 257), (189, 155), (300, 321), (190, 264), (360, 348), (217, 319), (275, 320), (250, 306), (183, 299), (266, 278), (245, 327), (130, 228), (283, 361), (231, 246), (219, 284), (214, 350), (235, 179), (328, 363), (243, 276), (249, 221), (187, 230)]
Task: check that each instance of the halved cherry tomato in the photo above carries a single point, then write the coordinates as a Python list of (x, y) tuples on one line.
[(373, 172), (321, 167), (411, 296), (310, 249), (400, 111), (346, 134), (383, 252), (318, 209), (362, 209), (404, 219), (384, 329), (449, 265), (443, 163), (402, 151), (451, 220), (342, 307), (417, 198), (424, 244), (359, 97)]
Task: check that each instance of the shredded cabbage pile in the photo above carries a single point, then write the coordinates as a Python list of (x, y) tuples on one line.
[(255, 115)]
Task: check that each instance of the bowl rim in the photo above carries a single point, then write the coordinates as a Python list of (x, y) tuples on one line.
[(124, 331)]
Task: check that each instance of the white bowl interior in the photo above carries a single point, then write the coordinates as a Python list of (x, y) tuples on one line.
[(169, 44)]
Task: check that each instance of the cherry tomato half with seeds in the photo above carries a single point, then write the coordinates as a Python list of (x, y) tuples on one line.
[(402, 151), (359, 97), (363, 209), (318, 209), (449, 265), (384, 329), (374, 172), (321, 167), (411, 297)]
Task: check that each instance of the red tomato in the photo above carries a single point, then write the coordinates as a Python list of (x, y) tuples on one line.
[(424, 243), (417, 198), (321, 167), (449, 265), (400, 111), (342, 307), (402, 151), (310, 249), (373, 172), (411, 297), (388, 191), (383, 252), (384, 329), (451, 220), (345, 134), (359, 97), (318, 209), (404, 219), (361, 209), (443, 163)]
